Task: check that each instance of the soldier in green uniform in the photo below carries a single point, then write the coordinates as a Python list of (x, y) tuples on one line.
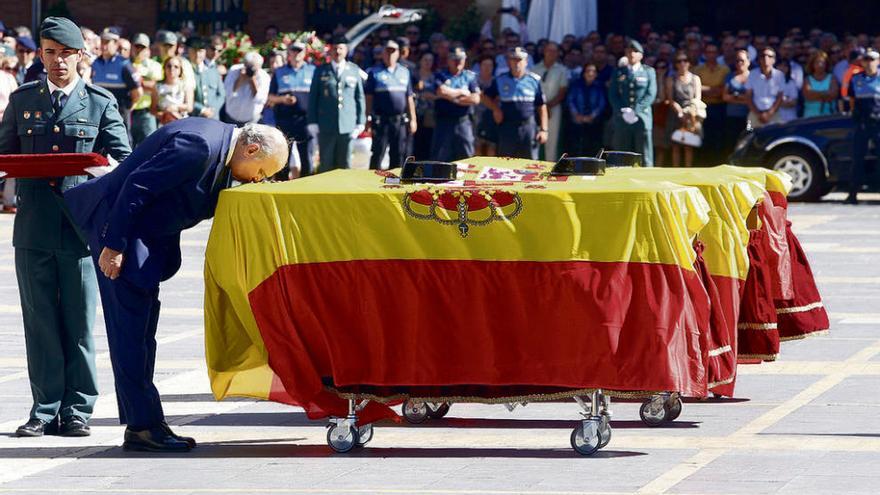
[(56, 277), (632, 92), (337, 109)]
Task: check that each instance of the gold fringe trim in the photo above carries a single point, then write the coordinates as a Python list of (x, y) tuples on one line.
[(756, 326), (762, 357), (719, 351), (805, 335), (800, 309), (622, 394), (722, 382)]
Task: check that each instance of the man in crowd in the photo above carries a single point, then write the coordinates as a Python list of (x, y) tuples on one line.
[(247, 90), (125, 48), (515, 99), (713, 77), (554, 85), (864, 93), (143, 123), (764, 90), (114, 73), (26, 51), (210, 93), (457, 93), (289, 95), (132, 218), (337, 106), (631, 95), (56, 277), (391, 107)]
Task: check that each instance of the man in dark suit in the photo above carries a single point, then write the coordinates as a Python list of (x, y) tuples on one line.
[(132, 218)]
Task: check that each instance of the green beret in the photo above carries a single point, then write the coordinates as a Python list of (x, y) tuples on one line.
[(62, 30), (636, 46)]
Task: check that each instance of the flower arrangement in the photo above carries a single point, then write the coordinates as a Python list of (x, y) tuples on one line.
[(316, 49), (236, 45)]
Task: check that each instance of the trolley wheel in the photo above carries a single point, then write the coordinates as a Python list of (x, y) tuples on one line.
[(415, 412), (365, 434), (673, 409), (342, 438), (440, 412), (585, 446), (604, 433), (650, 415)]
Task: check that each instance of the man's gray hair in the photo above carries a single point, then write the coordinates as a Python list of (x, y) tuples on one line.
[(253, 59), (271, 140)]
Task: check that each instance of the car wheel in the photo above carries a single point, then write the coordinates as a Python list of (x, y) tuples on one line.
[(805, 170)]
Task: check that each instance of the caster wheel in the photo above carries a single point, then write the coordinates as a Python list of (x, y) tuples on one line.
[(341, 438), (584, 446), (365, 434), (415, 412), (604, 433), (673, 409), (651, 415), (440, 412)]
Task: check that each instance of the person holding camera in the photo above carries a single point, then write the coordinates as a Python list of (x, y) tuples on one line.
[(247, 90)]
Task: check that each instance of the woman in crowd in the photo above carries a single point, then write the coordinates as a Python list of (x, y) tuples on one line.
[(172, 100), (684, 97), (426, 93), (820, 87), (487, 130), (790, 93), (586, 107), (734, 94)]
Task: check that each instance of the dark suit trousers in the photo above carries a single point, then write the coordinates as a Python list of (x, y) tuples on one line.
[(389, 134), (57, 290), (131, 315), (335, 150)]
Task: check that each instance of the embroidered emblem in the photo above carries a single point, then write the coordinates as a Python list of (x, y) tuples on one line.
[(463, 207)]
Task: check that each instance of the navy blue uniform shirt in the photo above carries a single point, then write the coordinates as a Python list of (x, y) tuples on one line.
[(287, 80), (519, 97), (866, 91), (465, 79), (117, 76), (389, 88)]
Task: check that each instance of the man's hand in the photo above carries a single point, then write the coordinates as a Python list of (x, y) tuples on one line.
[(110, 263), (541, 137), (207, 112), (290, 100)]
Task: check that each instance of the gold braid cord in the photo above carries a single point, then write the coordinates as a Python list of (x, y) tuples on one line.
[(804, 336), (756, 326), (762, 357), (568, 394)]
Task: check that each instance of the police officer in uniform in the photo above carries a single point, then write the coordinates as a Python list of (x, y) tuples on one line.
[(289, 93), (864, 93), (56, 277), (391, 107), (337, 107), (632, 92), (115, 73), (515, 98), (458, 91)]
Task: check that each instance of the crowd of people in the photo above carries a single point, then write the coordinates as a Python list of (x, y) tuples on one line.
[(695, 92)]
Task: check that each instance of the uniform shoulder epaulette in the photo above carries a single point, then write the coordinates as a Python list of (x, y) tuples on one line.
[(27, 87), (99, 90), (536, 76), (363, 73)]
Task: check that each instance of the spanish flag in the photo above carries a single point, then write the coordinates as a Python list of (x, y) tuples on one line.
[(504, 285)]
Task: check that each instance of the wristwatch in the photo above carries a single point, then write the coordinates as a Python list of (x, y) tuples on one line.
[(542, 130)]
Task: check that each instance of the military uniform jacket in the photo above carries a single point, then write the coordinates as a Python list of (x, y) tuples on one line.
[(337, 103), (636, 89), (209, 91), (89, 122)]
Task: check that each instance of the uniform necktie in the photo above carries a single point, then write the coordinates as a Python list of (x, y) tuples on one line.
[(58, 100)]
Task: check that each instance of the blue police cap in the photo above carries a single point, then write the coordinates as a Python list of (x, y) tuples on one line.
[(27, 43), (62, 30)]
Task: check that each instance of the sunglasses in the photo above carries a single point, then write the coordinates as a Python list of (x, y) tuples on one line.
[(681, 60)]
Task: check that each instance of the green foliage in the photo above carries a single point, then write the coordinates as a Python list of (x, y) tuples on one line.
[(460, 27)]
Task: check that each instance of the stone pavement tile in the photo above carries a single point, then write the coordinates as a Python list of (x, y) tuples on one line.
[(851, 409), (748, 472), (868, 331), (834, 484), (820, 348), (767, 389)]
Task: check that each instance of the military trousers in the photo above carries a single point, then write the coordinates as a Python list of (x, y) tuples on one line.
[(635, 138), (335, 150), (391, 135), (517, 139), (863, 133), (453, 139), (58, 296)]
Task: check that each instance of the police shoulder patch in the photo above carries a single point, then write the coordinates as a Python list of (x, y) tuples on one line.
[(536, 76)]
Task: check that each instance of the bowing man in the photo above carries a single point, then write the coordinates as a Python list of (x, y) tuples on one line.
[(132, 218)]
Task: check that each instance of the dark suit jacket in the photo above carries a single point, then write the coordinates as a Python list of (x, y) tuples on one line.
[(169, 183)]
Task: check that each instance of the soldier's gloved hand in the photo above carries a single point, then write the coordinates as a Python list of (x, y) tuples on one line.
[(313, 129), (629, 116), (358, 129)]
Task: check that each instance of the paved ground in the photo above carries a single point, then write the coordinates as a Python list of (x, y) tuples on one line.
[(804, 425)]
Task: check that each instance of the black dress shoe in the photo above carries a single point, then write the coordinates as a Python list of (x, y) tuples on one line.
[(37, 427), (153, 440), (189, 440), (851, 199), (75, 426)]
